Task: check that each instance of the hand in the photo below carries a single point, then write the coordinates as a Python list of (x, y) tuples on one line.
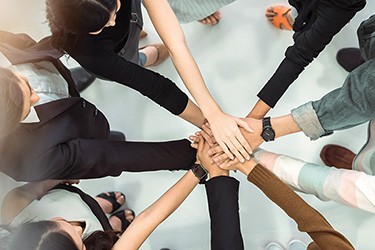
[(254, 139), (245, 168), (206, 134), (205, 160), (227, 134)]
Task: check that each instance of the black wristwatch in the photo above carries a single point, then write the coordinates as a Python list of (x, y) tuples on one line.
[(268, 134), (200, 172)]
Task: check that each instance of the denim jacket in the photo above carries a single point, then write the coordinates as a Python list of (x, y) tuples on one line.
[(350, 105)]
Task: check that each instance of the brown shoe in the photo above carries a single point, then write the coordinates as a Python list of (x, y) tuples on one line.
[(142, 34), (337, 156), (162, 55)]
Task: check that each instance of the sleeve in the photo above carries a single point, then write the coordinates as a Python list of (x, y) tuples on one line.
[(331, 16), (85, 159), (342, 108), (308, 219), (348, 187), (106, 64), (222, 195)]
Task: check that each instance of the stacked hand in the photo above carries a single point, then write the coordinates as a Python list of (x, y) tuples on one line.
[(217, 154), (225, 129)]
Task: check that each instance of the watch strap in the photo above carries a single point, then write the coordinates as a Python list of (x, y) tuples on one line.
[(200, 172)]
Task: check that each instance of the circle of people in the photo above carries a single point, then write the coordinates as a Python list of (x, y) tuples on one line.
[(50, 137)]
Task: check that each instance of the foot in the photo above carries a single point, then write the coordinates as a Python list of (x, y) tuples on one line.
[(155, 54), (337, 156), (280, 17), (121, 220), (142, 34), (212, 19), (110, 201), (349, 58)]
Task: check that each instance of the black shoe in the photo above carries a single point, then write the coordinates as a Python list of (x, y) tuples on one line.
[(116, 136), (82, 78), (349, 58)]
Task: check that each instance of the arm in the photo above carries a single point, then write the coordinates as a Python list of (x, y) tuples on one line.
[(348, 187), (102, 61), (308, 219), (224, 126), (222, 196), (18, 198), (331, 16), (342, 108), (85, 159), (150, 218)]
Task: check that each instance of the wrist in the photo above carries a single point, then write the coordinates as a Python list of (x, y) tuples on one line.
[(247, 167), (211, 112), (200, 172), (218, 172)]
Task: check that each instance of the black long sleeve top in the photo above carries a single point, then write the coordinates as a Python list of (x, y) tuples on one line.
[(98, 54), (317, 23)]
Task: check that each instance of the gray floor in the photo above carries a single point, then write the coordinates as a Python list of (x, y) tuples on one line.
[(236, 58)]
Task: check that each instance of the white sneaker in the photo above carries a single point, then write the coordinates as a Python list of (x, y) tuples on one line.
[(274, 246), (296, 245)]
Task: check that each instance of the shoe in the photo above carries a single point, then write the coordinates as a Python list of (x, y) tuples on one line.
[(163, 54), (274, 246), (116, 136), (349, 58), (280, 16), (297, 245), (124, 215), (82, 78), (337, 156), (142, 34), (111, 198)]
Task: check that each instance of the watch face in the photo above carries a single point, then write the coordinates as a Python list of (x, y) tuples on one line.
[(268, 134)]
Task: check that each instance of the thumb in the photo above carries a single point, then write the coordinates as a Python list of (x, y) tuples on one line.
[(244, 125)]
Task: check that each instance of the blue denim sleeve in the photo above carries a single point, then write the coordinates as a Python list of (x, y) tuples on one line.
[(342, 108)]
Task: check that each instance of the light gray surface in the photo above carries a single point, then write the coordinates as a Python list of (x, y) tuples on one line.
[(236, 58)]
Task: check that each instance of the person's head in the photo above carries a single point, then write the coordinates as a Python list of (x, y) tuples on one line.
[(79, 17), (16, 98), (46, 235), (59, 234)]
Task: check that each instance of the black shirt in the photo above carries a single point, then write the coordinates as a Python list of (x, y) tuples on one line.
[(98, 54), (317, 23)]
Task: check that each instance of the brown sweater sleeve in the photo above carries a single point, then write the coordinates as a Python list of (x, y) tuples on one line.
[(307, 218)]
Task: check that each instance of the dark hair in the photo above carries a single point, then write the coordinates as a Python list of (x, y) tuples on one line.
[(42, 235), (100, 240), (11, 102), (68, 18)]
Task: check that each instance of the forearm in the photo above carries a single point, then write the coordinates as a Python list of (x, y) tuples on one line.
[(149, 219), (169, 30), (348, 187), (259, 110), (307, 218), (222, 196), (19, 198)]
